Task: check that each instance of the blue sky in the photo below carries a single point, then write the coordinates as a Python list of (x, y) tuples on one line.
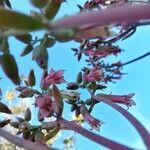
[(137, 80)]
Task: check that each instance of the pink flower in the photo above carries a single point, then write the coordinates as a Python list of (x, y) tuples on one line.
[(54, 77), (92, 75), (93, 122), (45, 104), (121, 99)]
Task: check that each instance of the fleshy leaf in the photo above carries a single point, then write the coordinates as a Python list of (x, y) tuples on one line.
[(25, 38), (48, 41), (7, 2), (0, 94), (39, 3), (4, 109), (15, 124), (3, 123), (79, 78), (52, 133), (15, 20), (5, 46), (10, 68), (40, 55), (52, 8), (27, 115), (27, 50), (58, 99), (31, 78)]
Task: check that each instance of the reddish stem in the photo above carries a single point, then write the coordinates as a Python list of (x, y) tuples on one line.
[(138, 126), (92, 136), (23, 143), (104, 17)]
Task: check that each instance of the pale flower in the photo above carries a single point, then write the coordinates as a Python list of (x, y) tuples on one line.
[(10, 95)]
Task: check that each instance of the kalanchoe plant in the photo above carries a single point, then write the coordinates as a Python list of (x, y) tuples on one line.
[(91, 28)]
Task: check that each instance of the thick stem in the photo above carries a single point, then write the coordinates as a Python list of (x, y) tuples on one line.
[(103, 17), (23, 143), (138, 126), (92, 136)]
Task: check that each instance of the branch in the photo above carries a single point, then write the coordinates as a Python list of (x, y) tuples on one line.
[(23, 143), (92, 136), (136, 59), (138, 126), (103, 17)]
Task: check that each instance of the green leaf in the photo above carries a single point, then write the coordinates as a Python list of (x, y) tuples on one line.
[(27, 50), (31, 78), (40, 55), (5, 46), (10, 67), (3, 123), (4, 109), (7, 2), (15, 124), (25, 38), (52, 8), (58, 99), (20, 119), (48, 41), (79, 78), (39, 3), (27, 115), (15, 20), (52, 133)]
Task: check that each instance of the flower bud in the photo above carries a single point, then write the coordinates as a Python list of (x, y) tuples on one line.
[(27, 115), (5, 122), (72, 86), (79, 78), (15, 124), (26, 93), (31, 78)]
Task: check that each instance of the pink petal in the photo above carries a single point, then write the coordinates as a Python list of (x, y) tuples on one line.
[(39, 101), (60, 73), (52, 72)]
